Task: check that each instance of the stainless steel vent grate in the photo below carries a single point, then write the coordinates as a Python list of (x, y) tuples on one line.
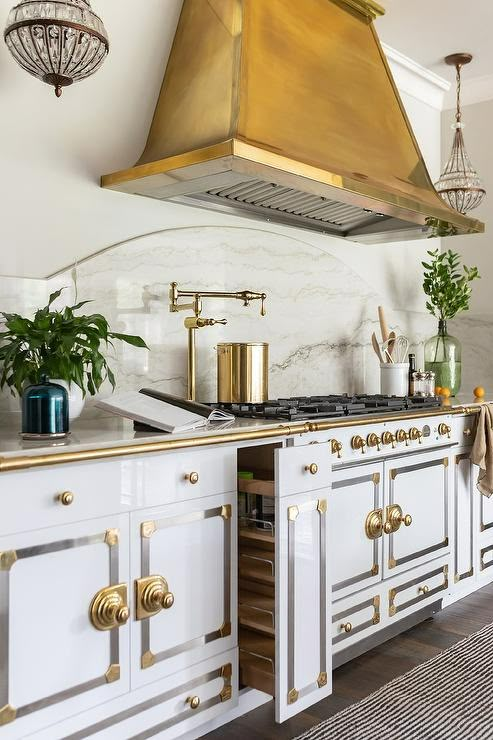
[(260, 194)]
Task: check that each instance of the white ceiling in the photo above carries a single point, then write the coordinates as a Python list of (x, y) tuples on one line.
[(428, 30)]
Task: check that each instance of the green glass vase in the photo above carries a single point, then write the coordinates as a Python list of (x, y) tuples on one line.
[(443, 356)]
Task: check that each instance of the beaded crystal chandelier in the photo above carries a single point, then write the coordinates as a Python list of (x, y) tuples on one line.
[(58, 41), (460, 185)]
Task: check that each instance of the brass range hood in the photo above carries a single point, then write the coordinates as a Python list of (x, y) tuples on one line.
[(286, 111)]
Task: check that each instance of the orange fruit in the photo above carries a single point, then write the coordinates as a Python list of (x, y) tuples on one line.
[(479, 391), (438, 390), (445, 392)]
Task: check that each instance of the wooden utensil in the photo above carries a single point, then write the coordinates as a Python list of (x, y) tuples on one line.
[(391, 343), (383, 324), (376, 346)]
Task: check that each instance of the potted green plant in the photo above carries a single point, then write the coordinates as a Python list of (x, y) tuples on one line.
[(448, 287), (61, 345)]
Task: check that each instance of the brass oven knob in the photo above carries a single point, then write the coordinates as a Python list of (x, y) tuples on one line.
[(336, 447), (194, 702), (423, 590), (388, 439), (402, 436), (312, 468), (346, 627), (152, 595), (358, 443), (414, 434), (444, 429), (193, 478), (109, 608), (373, 440), (66, 498)]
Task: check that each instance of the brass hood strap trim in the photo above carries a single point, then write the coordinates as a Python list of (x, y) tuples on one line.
[(23, 462)]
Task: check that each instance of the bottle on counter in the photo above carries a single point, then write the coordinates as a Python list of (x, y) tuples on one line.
[(412, 370)]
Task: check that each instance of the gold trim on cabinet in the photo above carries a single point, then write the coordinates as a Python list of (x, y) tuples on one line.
[(109, 608), (322, 679), (226, 511), (376, 478), (393, 473), (7, 559), (7, 714), (23, 462), (367, 9), (226, 693), (322, 506), (147, 529), (462, 576), (113, 673), (392, 563), (445, 462), (147, 660), (376, 607), (112, 537), (225, 629), (375, 569), (293, 513), (392, 608), (227, 670), (293, 696)]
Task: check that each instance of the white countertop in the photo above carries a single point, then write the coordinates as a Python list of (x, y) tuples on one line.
[(105, 432)]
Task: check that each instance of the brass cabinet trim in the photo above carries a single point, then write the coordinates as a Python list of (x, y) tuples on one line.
[(376, 607), (147, 529), (7, 714), (5, 576), (340, 618), (322, 679), (22, 462), (226, 693), (293, 695), (462, 576), (482, 564), (322, 506), (293, 513), (148, 657), (113, 673), (367, 9), (7, 559), (376, 478), (112, 537)]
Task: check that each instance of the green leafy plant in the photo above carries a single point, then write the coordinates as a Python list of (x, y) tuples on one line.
[(447, 284), (58, 344)]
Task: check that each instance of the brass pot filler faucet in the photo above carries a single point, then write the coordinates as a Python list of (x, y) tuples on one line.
[(192, 323)]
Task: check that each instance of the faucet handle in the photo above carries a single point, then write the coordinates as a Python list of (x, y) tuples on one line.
[(262, 304), (218, 321)]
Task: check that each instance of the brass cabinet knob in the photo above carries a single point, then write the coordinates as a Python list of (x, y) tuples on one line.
[(388, 439), (194, 702), (395, 518), (152, 595), (373, 440), (414, 434), (66, 498), (313, 468), (336, 447), (358, 443), (109, 608), (467, 432), (423, 590), (402, 436), (192, 478), (444, 430), (346, 627)]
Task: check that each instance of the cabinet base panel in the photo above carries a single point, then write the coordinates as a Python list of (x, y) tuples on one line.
[(387, 633)]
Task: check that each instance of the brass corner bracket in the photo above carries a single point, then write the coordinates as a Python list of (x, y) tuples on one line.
[(112, 537), (113, 673), (7, 714), (322, 679), (293, 513), (225, 629), (147, 660), (7, 559), (293, 696), (322, 506), (147, 529), (226, 511)]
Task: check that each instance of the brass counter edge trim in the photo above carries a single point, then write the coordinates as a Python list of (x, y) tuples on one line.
[(9, 464)]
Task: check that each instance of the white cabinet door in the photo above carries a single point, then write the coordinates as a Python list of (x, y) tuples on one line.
[(464, 529), (184, 567), (416, 511), (63, 608), (356, 528), (303, 639)]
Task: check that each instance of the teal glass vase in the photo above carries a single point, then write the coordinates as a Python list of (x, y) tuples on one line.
[(443, 357)]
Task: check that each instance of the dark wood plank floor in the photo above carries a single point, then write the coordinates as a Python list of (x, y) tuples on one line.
[(365, 674)]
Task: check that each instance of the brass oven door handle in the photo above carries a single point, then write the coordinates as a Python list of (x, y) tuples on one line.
[(152, 595), (109, 608)]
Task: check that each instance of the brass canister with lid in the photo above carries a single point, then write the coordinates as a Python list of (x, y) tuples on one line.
[(242, 372)]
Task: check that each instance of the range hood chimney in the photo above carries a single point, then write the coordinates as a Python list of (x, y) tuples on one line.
[(287, 111)]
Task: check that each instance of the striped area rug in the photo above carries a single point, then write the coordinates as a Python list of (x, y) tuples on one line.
[(450, 697)]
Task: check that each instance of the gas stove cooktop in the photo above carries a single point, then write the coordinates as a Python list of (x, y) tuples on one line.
[(318, 407)]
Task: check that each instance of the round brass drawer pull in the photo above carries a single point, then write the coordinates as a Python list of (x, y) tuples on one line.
[(66, 498), (423, 590), (194, 702), (193, 478), (346, 627), (313, 468)]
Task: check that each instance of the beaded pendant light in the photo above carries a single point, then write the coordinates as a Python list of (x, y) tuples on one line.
[(57, 41), (460, 185)]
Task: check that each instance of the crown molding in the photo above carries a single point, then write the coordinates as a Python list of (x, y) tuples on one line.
[(414, 79), (474, 90)]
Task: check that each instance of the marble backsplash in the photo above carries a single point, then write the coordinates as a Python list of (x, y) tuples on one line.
[(320, 314)]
